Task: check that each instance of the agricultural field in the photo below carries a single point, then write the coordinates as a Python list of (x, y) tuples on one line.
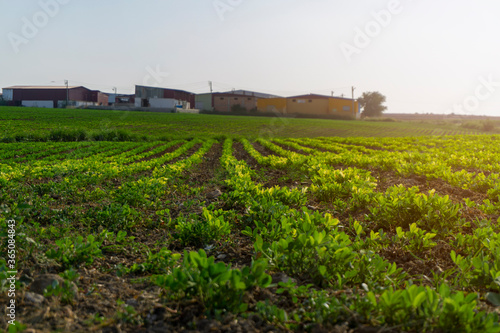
[(245, 234), (22, 124)]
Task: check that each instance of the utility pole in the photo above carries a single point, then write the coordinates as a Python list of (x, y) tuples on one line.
[(332, 93), (353, 104), (210, 84), (67, 92)]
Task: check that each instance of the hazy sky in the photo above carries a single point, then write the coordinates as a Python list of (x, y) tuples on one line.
[(425, 56)]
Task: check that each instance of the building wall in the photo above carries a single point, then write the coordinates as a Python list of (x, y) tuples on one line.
[(39, 94), (82, 103), (148, 92), (306, 105), (224, 102), (343, 106), (112, 98), (203, 101), (272, 105), (75, 94), (102, 99), (315, 105), (167, 103), (184, 98), (81, 94), (38, 104), (8, 95)]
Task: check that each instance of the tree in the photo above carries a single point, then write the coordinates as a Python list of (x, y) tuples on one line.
[(372, 104)]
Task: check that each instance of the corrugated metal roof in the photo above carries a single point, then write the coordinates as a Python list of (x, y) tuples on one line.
[(169, 89), (310, 96), (230, 94), (317, 96), (43, 87), (252, 93)]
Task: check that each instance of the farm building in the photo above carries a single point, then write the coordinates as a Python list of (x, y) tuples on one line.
[(311, 104), (121, 100), (53, 97), (163, 98), (204, 102), (231, 101), (272, 105)]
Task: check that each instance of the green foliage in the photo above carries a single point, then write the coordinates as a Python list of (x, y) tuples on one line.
[(415, 239), (73, 251), (401, 207), (65, 290), (120, 237), (17, 327), (167, 126), (372, 104), (271, 313), (416, 308), (454, 312), (114, 217), (481, 267), (196, 231), (218, 287), (155, 263), (58, 190), (485, 126), (328, 257), (344, 187), (68, 135)]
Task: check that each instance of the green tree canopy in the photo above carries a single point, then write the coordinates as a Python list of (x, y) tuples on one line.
[(372, 104)]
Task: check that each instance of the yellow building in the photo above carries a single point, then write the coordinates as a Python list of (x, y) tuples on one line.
[(322, 105), (272, 105), (311, 104)]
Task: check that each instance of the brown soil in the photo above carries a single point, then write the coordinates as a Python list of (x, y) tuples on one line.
[(436, 260), (205, 171), (241, 154), (186, 155), (99, 289), (264, 151)]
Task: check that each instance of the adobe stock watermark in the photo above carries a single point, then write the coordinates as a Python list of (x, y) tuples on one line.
[(225, 6), (157, 76), (277, 124), (363, 37), (484, 90), (31, 27)]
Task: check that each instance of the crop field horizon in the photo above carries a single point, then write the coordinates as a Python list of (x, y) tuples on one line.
[(28, 123), (143, 222)]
